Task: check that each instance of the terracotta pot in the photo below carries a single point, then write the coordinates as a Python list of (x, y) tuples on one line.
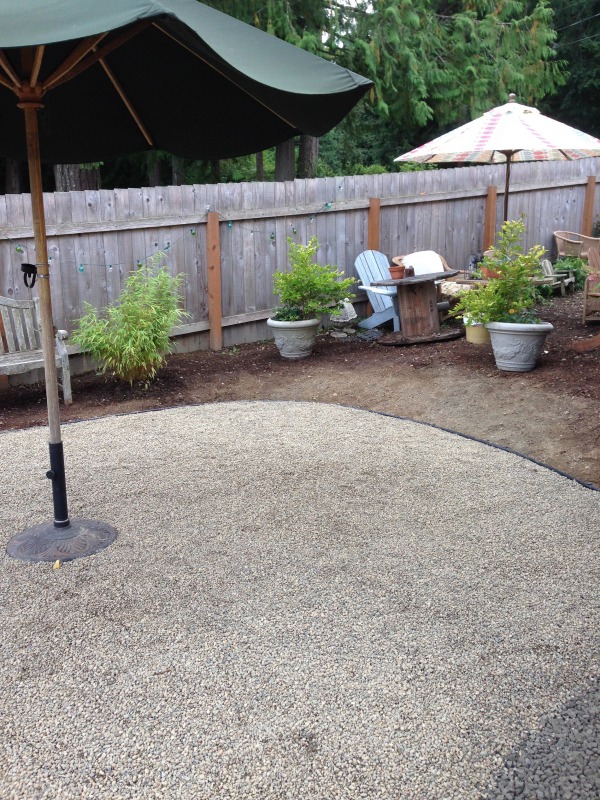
[(396, 272), (489, 273)]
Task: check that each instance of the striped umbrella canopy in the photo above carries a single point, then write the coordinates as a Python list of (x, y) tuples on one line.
[(506, 134)]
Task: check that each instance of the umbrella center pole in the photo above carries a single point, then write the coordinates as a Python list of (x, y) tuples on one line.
[(30, 105)]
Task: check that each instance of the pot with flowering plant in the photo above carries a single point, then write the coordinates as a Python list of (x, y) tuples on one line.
[(504, 304), (306, 292)]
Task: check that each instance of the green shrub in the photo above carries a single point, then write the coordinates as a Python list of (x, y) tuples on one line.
[(131, 337), (309, 289), (506, 297), (577, 266)]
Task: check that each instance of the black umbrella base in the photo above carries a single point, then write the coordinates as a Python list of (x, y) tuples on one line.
[(44, 542)]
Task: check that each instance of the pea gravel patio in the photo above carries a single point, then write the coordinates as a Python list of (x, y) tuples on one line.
[(304, 601)]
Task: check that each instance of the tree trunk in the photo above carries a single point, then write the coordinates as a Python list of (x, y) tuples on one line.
[(153, 169), (177, 171), (75, 178), (260, 166), (284, 161), (13, 177), (307, 156)]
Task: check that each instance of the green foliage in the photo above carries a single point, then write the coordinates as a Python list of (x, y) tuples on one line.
[(434, 65), (309, 289), (577, 103), (131, 337), (505, 298), (577, 266), (445, 64)]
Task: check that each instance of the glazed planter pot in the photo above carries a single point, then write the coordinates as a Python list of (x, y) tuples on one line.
[(476, 332), (294, 339), (517, 346)]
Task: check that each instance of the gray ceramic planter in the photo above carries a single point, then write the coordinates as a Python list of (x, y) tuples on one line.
[(294, 339), (518, 346)]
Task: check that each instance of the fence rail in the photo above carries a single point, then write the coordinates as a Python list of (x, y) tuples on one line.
[(228, 239)]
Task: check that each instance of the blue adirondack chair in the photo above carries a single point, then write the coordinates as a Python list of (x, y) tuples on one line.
[(371, 265)]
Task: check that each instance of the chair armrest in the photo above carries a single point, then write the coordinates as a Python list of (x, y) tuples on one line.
[(60, 345), (379, 290), (564, 273)]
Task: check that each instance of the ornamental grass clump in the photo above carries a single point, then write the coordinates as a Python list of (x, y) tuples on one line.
[(508, 296), (309, 290), (131, 337)]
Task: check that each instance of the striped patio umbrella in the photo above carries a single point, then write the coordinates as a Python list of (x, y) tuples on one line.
[(506, 134)]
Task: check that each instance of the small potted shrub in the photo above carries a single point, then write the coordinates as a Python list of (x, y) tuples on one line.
[(306, 292), (504, 304), (131, 337)]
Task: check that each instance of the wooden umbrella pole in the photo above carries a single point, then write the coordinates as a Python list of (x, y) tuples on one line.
[(41, 258), (57, 472)]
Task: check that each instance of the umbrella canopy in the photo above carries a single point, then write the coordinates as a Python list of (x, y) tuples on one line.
[(82, 80), (123, 76), (506, 134)]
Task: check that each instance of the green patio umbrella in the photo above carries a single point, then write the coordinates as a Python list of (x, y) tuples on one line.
[(82, 81)]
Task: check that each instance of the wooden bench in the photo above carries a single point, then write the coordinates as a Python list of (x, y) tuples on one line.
[(21, 344)]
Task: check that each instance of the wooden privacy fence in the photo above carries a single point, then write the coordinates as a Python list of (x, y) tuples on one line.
[(228, 239)]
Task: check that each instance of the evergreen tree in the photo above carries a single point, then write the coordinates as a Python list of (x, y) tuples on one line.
[(436, 64), (577, 103)]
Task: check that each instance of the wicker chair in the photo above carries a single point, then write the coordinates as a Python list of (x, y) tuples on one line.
[(568, 244), (589, 241), (574, 244)]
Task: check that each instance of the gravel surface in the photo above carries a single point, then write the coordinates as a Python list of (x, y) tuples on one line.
[(304, 601)]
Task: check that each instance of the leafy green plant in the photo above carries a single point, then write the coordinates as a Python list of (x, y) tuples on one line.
[(309, 289), (131, 337), (575, 265), (505, 297)]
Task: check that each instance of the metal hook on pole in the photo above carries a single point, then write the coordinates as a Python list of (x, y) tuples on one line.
[(29, 274)]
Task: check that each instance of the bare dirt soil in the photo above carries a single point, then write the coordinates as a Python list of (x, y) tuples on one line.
[(551, 414)]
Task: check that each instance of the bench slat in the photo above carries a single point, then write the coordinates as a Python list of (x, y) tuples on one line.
[(7, 325), (21, 343)]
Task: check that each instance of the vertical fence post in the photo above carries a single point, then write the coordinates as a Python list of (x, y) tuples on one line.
[(373, 223), (489, 222), (4, 344), (213, 268), (588, 206)]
